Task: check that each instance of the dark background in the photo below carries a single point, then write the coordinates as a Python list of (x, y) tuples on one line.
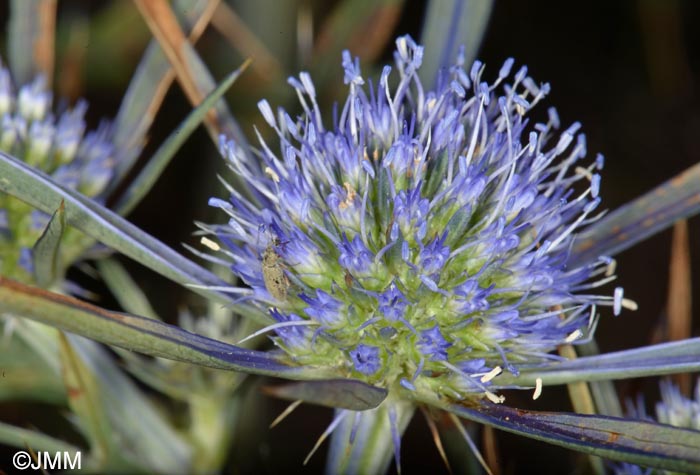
[(628, 70)]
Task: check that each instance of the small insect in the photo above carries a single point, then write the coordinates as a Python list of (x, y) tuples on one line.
[(348, 279), (276, 282)]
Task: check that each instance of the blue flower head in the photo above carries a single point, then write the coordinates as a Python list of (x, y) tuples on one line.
[(424, 236), (59, 146)]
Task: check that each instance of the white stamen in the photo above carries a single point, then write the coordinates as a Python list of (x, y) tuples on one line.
[(575, 335), (494, 398), (591, 318), (491, 374), (584, 172), (271, 173), (610, 269), (210, 244), (538, 389), (296, 323), (221, 288), (629, 304)]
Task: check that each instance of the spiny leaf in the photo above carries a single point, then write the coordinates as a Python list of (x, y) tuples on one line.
[(45, 252), (639, 442), (654, 360), (141, 334)]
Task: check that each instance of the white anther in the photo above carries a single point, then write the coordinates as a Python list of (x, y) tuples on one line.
[(494, 398), (491, 374), (271, 173), (617, 301), (629, 304), (610, 269), (538, 389), (210, 244), (584, 172), (573, 336)]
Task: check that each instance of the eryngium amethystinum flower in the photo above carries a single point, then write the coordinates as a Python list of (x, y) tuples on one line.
[(418, 241), (58, 146), (673, 409)]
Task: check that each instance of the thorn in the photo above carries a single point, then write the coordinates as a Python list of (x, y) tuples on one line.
[(436, 439), (325, 435), (470, 443), (285, 413)]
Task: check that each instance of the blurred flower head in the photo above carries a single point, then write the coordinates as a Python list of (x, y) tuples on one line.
[(419, 240), (56, 144), (673, 409)]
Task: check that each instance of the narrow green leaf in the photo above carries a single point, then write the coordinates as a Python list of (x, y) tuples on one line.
[(42, 192), (141, 334), (45, 252), (127, 292), (206, 83), (84, 399), (150, 173), (607, 401), (336, 393), (31, 39), (25, 438), (654, 360), (24, 375), (449, 24), (641, 218), (638, 442), (192, 73), (146, 91)]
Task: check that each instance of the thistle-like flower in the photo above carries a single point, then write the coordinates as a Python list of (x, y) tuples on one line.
[(56, 145), (421, 242)]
